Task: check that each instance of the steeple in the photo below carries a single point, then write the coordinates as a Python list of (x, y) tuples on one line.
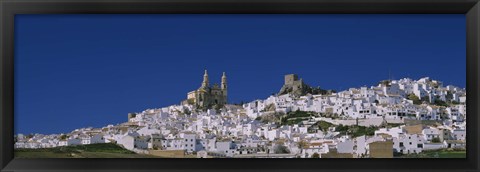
[(205, 80), (224, 81)]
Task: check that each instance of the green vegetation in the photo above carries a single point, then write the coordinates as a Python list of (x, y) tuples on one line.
[(393, 125), (436, 140), (425, 99), (356, 131), (101, 150), (318, 90), (316, 155), (323, 125), (414, 98), (186, 111), (292, 121), (440, 103), (320, 125), (443, 153), (280, 148), (331, 115), (299, 113), (385, 82), (454, 102), (295, 117)]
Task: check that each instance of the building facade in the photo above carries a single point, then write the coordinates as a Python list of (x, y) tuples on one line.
[(207, 96)]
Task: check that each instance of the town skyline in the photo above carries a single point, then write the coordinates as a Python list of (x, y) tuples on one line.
[(96, 68), (396, 118), (239, 103)]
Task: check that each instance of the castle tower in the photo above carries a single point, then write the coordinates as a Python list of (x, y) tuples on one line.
[(205, 80)]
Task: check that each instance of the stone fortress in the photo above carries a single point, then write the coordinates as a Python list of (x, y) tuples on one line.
[(207, 97), (295, 86), (292, 85)]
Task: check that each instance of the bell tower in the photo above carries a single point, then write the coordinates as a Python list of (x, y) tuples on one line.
[(224, 86), (205, 80), (224, 81)]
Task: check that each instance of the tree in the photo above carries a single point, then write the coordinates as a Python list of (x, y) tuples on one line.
[(280, 148), (385, 82), (425, 99), (414, 98), (63, 137), (436, 140), (441, 103), (186, 111), (316, 155)]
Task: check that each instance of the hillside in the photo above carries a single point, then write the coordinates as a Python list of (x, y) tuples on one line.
[(102, 150)]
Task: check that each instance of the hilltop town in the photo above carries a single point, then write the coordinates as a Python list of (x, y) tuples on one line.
[(395, 117)]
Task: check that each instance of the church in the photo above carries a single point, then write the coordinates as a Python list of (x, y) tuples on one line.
[(207, 96)]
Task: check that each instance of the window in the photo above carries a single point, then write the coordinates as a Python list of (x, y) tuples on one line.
[(410, 143), (401, 144), (191, 140), (419, 145)]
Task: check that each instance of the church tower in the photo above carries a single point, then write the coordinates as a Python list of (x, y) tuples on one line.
[(224, 81), (205, 80), (224, 84)]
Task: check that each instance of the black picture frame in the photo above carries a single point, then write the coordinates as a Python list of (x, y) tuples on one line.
[(9, 8)]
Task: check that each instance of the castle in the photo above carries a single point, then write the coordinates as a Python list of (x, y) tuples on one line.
[(206, 96), (292, 85)]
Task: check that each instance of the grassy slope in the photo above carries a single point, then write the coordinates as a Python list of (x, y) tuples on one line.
[(105, 150), (438, 154)]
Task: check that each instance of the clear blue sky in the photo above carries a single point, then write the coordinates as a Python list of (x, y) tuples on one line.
[(74, 71)]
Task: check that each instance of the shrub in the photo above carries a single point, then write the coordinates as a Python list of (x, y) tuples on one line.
[(281, 149)]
